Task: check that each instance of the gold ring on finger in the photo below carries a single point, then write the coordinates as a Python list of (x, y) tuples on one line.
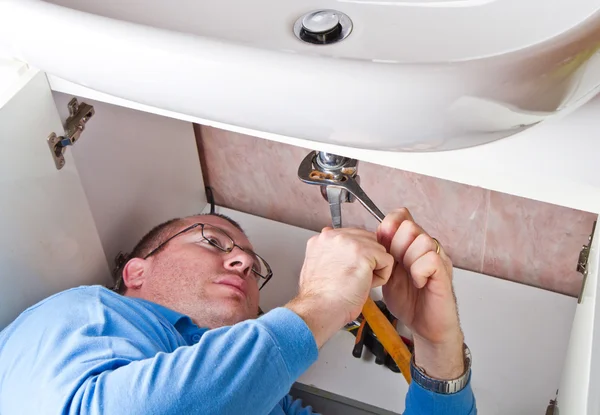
[(437, 245)]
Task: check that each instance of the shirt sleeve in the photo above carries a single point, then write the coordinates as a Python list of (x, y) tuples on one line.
[(100, 362), (293, 406), (421, 401)]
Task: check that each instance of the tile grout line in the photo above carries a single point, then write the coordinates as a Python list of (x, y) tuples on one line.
[(485, 229)]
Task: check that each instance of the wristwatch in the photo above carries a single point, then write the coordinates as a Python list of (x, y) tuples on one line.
[(445, 387)]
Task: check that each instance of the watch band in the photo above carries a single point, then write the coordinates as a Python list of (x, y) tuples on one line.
[(445, 387)]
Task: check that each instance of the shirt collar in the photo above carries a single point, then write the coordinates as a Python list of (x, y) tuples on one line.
[(181, 322)]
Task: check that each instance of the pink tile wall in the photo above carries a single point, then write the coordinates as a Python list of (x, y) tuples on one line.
[(536, 243), (488, 232)]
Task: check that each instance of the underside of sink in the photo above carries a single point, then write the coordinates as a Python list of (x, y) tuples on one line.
[(411, 75)]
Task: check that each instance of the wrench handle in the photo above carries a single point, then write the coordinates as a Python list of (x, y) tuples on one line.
[(352, 186), (388, 337)]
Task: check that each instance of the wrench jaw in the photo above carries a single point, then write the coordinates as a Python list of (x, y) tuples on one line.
[(334, 197), (331, 179), (347, 197), (339, 184)]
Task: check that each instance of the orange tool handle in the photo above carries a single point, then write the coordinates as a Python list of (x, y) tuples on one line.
[(388, 337)]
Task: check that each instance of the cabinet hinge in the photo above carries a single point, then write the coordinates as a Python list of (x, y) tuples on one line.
[(552, 408), (79, 114), (582, 262)]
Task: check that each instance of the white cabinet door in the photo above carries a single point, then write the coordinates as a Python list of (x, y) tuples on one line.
[(580, 383), (48, 240), (137, 170)]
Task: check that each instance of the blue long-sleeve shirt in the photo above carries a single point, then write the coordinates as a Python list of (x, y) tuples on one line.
[(91, 351)]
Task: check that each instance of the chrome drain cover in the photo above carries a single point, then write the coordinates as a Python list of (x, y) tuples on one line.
[(322, 27)]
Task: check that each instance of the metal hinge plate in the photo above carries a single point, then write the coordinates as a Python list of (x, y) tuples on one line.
[(79, 114), (582, 262), (552, 408)]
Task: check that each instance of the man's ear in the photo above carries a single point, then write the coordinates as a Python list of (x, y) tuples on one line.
[(134, 273)]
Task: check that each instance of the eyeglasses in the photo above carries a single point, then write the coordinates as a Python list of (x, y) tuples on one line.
[(218, 238)]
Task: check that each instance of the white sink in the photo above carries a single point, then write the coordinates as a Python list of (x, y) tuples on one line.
[(413, 75)]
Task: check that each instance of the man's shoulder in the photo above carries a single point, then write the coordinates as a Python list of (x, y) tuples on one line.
[(94, 304), (62, 313), (92, 310), (85, 295), (77, 304)]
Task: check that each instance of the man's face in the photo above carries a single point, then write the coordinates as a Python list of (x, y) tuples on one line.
[(192, 277)]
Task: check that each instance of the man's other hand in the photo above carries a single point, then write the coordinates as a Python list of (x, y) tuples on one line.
[(419, 293)]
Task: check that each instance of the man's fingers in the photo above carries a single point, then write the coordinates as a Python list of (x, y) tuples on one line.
[(362, 243), (425, 267), (407, 233), (351, 231), (422, 244), (409, 243), (388, 228), (384, 265)]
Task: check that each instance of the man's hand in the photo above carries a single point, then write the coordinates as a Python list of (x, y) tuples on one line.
[(419, 293), (340, 268)]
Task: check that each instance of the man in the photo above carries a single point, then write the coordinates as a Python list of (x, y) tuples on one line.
[(183, 337)]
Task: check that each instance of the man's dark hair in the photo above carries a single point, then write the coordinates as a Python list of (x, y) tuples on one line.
[(150, 241)]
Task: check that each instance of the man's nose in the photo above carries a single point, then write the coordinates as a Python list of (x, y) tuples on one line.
[(239, 261)]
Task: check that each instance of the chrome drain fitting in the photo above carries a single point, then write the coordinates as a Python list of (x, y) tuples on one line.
[(323, 27)]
